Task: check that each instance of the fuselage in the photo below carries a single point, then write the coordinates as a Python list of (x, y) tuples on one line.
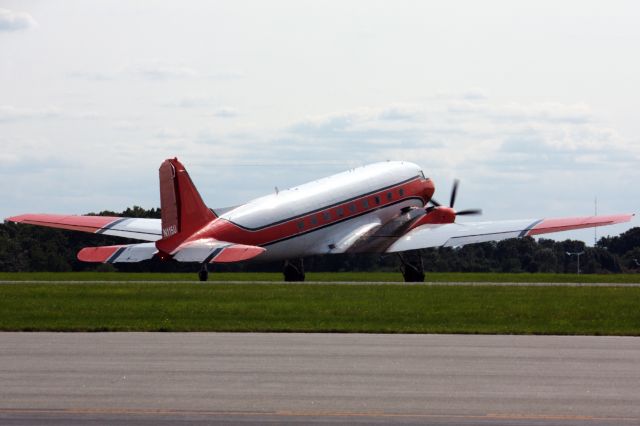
[(326, 215)]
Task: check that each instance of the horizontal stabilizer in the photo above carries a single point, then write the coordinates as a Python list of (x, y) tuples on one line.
[(118, 254), (209, 250)]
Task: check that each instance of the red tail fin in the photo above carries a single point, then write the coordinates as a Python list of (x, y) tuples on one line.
[(183, 211)]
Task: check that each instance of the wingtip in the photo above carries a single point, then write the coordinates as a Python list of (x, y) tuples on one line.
[(16, 219), (626, 217)]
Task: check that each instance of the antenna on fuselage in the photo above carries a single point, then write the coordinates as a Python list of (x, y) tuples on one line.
[(277, 190)]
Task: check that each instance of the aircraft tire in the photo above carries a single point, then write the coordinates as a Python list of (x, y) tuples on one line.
[(413, 275), (412, 267), (203, 274), (293, 270)]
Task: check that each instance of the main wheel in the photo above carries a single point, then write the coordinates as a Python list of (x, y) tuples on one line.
[(412, 274), (293, 270), (412, 267), (203, 274)]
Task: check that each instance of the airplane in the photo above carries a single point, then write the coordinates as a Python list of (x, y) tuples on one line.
[(385, 207)]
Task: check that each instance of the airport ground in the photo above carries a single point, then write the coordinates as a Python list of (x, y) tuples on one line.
[(150, 378), (289, 378)]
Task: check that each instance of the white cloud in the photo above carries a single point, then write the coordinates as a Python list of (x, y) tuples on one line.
[(475, 94), (521, 138), (193, 102), (400, 116), (225, 112), (549, 112), (92, 75), (14, 21), (9, 113), (163, 71)]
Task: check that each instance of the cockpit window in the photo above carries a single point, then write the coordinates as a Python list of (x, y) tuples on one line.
[(422, 174)]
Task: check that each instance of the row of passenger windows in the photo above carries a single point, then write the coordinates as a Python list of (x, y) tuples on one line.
[(339, 212)]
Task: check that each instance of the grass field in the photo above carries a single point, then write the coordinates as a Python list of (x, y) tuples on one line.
[(320, 308), (323, 277)]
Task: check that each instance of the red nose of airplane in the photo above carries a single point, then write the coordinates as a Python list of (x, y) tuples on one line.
[(428, 188)]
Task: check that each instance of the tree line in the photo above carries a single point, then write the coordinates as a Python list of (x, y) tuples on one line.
[(25, 248)]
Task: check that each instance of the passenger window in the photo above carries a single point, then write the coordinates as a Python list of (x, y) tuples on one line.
[(365, 203), (301, 224), (326, 216), (377, 198), (340, 212), (389, 196), (314, 220), (352, 207), (401, 192)]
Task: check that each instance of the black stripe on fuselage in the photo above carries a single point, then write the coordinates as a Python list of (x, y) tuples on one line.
[(332, 206), (338, 221)]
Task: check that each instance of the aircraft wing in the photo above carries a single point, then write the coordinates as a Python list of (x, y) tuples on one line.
[(129, 227), (205, 250), (460, 234)]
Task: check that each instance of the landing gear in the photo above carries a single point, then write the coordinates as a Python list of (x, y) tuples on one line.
[(293, 270), (203, 274), (412, 267)]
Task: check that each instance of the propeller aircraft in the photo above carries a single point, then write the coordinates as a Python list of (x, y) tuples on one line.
[(385, 207)]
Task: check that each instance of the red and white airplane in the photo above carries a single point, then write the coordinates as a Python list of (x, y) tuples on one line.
[(378, 208)]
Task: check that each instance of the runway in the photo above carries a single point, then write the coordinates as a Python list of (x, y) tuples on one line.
[(248, 378)]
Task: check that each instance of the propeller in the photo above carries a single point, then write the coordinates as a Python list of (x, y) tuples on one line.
[(452, 201)]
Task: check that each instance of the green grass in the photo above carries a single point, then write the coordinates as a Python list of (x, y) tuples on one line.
[(323, 277), (320, 308)]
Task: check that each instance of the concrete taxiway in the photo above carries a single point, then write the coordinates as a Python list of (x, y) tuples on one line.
[(169, 378)]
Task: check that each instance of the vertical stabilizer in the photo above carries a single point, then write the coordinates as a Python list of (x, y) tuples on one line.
[(183, 211)]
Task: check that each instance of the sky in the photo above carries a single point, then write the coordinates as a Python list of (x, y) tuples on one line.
[(532, 105)]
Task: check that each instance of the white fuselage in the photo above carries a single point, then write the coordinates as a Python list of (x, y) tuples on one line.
[(268, 221)]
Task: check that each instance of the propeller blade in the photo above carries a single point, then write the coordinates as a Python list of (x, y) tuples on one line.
[(469, 212), (454, 191)]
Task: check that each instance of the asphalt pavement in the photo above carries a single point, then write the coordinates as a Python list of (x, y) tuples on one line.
[(261, 378)]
